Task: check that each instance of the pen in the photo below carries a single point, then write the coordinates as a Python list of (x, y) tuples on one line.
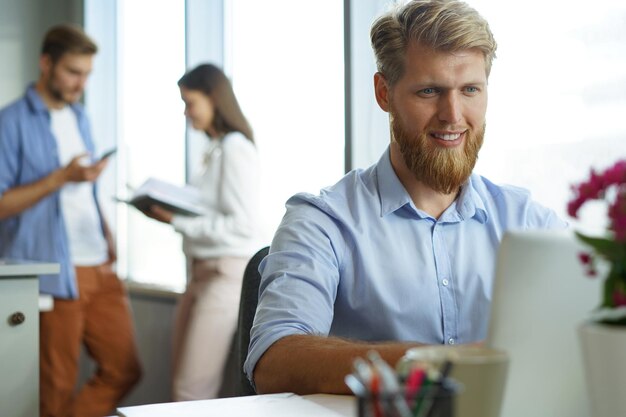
[(375, 391), (356, 385), (390, 383), (369, 378), (432, 394), (362, 371), (413, 383), (425, 387)]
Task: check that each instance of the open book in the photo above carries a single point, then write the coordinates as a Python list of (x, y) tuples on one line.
[(180, 200)]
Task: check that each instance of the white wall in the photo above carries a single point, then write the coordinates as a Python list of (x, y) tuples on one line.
[(22, 26)]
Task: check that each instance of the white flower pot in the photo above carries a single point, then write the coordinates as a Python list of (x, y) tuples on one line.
[(604, 355)]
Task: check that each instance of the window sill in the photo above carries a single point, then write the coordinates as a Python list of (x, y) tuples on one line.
[(141, 289)]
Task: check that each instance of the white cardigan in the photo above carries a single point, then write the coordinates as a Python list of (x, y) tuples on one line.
[(229, 184)]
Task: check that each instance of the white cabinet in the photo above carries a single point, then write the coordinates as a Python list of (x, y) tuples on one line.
[(19, 336)]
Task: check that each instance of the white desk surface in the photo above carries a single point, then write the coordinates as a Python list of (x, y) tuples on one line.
[(270, 405), (16, 268)]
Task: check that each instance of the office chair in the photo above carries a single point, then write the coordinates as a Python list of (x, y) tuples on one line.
[(247, 308)]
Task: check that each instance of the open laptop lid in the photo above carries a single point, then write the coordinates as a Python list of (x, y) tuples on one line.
[(541, 295)]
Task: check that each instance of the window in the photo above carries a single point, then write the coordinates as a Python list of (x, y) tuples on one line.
[(288, 76), (554, 112), (136, 71), (291, 90), (152, 129), (556, 96)]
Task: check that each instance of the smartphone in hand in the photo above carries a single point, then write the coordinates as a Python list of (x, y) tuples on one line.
[(107, 154)]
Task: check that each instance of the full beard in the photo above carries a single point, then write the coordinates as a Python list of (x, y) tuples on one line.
[(442, 169), (53, 90), (60, 95), (57, 93)]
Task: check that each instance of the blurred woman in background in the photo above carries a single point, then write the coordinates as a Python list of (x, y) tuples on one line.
[(219, 243)]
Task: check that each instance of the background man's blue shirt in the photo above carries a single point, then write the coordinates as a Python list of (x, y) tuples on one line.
[(28, 153), (360, 261)]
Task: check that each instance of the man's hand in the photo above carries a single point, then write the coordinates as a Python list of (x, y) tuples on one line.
[(18, 199), (75, 171), (159, 213)]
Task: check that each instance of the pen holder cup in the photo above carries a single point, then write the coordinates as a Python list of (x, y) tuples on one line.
[(482, 371), (429, 401)]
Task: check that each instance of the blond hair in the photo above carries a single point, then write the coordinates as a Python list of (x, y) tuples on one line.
[(444, 25)]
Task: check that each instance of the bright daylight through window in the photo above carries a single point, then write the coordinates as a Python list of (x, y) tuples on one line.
[(152, 133), (555, 103)]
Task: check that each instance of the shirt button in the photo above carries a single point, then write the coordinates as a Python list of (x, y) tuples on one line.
[(445, 282), (451, 341)]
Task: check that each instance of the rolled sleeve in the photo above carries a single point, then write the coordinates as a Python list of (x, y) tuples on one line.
[(299, 280)]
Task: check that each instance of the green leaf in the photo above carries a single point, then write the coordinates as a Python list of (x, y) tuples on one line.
[(607, 248), (609, 288)]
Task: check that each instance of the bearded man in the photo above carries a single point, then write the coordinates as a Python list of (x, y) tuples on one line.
[(49, 212), (403, 253)]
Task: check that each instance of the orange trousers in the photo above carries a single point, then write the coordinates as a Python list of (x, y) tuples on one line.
[(100, 319)]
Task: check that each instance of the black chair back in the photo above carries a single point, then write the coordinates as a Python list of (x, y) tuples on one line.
[(247, 309)]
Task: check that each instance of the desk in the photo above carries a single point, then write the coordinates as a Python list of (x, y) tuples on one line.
[(269, 405), (19, 336)]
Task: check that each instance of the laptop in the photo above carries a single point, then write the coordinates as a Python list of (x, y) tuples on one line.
[(541, 295)]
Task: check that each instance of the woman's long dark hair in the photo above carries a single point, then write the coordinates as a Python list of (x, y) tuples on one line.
[(210, 80)]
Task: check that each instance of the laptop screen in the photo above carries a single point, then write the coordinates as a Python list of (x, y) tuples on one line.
[(541, 295)]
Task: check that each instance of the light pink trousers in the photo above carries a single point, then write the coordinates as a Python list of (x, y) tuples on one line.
[(206, 321)]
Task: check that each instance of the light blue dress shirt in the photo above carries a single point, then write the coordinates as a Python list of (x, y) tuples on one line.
[(28, 153), (360, 261)]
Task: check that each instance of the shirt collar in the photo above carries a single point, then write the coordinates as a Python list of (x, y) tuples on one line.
[(393, 195), (34, 100), (479, 205), (468, 205)]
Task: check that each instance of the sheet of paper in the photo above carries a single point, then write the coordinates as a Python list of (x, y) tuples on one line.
[(271, 405)]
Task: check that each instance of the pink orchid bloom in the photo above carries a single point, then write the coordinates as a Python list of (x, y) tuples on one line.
[(619, 298)]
